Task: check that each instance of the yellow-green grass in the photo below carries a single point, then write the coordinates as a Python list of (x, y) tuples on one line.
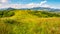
[(24, 22)]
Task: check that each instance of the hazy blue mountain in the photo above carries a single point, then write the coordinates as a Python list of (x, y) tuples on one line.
[(44, 8), (41, 8), (34, 8), (7, 8)]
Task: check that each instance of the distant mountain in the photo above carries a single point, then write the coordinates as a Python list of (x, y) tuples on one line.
[(10, 8), (34, 8), (7, 8), (41, 8), (44, 8)]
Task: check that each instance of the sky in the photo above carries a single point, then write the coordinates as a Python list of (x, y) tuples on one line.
[(29, 3)]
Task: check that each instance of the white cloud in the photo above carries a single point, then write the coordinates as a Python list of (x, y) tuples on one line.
[(43, 2), (30, 5), (3, 1)]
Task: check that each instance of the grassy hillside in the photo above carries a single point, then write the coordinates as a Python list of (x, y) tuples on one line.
[(29, 22)]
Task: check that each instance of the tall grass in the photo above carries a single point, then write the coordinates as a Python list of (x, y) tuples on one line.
[(30, 22)]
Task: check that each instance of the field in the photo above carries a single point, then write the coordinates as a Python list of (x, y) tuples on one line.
[(29, 22)]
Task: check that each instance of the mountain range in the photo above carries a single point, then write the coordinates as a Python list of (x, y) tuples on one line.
[(42, 8), (34, 8)]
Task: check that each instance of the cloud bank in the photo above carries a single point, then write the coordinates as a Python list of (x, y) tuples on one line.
[(18, 6), (3, 1)]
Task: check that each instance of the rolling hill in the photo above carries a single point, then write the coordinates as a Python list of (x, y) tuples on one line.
[(29, 22)]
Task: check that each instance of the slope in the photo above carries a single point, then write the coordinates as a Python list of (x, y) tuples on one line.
[(30, 22)]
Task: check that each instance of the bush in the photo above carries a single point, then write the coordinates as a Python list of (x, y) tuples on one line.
[(6, 13)]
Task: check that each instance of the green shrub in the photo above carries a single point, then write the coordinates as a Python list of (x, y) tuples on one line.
[(6, 13)]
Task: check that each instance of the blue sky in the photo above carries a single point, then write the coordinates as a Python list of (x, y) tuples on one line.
[(29, 3), (35, 1)]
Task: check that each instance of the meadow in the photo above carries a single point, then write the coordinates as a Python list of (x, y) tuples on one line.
[(29, 22)]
